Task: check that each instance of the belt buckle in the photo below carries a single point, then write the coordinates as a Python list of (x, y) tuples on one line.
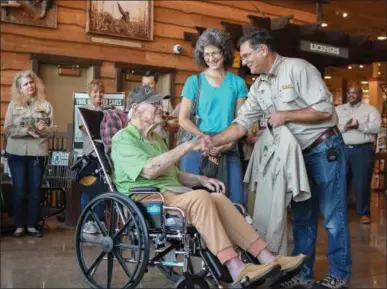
[(351, 146)]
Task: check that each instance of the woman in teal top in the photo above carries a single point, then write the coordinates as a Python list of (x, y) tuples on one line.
[(221, 95)]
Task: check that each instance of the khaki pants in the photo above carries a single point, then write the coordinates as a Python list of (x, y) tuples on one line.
[(217, 220)]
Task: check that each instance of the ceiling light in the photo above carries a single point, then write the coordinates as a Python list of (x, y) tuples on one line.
[(345, 14), (364, 82), (381, 37), (379, 73), (365, 90), (379, 64), (327, 77), (324, 24), (349, 67), (361, 66)]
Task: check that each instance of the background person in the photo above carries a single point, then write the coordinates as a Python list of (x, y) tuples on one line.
[(359, 123), (221, 93), (28, 125), (96, 92)]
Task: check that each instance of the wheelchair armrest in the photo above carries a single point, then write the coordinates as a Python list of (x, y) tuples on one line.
[(145, 190), (202, 188)]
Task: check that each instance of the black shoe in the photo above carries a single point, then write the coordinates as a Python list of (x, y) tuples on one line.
[(330, 282), (19, 234), (35, 233)]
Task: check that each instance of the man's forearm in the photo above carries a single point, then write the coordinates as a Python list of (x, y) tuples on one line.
[(306, 115), (188, 179), (233, 133), (158, 165)]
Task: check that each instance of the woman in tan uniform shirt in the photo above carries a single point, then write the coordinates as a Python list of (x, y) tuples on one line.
[(28, 124)]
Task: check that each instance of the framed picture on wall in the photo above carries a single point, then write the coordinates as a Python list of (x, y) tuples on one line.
[(42, 13), (128, 19)]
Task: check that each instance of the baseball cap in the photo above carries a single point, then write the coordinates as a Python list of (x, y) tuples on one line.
[(144, 94)]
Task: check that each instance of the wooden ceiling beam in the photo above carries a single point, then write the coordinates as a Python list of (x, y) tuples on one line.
[(260, 22)]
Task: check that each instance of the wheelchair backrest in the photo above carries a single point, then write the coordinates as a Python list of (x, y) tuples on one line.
[(91, 121)]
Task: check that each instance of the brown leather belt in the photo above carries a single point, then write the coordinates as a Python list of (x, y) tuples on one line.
[(323, 137)]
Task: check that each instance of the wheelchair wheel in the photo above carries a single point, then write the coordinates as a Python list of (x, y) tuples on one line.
[(112, 243), (192, 282)]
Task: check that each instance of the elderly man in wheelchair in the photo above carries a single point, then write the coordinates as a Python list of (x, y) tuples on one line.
[(154, 191)]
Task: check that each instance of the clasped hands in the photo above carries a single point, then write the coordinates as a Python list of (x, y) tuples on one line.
[(351, 124)]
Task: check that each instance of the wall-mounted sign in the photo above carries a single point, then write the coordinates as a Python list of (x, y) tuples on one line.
[(325, 49)]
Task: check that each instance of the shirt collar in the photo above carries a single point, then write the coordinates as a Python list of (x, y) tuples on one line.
[(134, 131), (274, 68)]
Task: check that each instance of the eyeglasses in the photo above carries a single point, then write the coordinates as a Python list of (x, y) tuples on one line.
[(246, 56), (213, 54)]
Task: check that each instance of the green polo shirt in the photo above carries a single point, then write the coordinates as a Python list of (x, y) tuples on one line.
[(130, 152)]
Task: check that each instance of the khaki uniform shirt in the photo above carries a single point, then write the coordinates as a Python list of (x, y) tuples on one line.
[(278, 172), (291, 84), (87, 146), (17, 121), (369, 123)]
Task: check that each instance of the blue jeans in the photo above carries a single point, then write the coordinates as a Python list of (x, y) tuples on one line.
[(190, 163), (329, 194), (98, 210), (26, 173), (361, 160)]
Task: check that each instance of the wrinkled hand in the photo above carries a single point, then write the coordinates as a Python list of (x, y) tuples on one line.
[(40, 125), (215, 151), (277, 118), (32, 133), (212, 184), (208, 140), (201, 146)]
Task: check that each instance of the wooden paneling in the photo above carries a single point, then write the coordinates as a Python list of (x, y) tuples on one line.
[(171, 20)]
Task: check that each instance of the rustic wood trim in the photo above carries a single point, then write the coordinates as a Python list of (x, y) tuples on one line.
[(37, 59), (61, 59), (97, 71), (142, 67), (35, 65), (119, 80)]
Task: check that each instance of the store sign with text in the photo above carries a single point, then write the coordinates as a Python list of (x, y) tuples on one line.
[(325, 49)]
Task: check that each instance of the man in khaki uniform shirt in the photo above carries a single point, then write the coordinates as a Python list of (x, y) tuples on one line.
[(359, 123), (291, 92)]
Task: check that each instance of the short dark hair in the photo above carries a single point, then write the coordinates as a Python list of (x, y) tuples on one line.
[(150, 73), (257, 37), (218, 38)]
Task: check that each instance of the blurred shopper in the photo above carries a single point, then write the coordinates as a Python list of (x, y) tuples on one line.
[(359, 123), (96, 92)]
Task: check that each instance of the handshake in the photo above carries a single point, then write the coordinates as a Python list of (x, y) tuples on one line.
[(205, 145)]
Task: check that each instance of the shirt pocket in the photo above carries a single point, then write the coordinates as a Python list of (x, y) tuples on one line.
[(287, 99), (264, 100)]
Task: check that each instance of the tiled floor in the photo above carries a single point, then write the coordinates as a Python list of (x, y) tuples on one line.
[(50, 262)]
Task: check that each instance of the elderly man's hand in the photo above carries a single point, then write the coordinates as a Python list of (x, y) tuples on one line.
[(212, 184), (200, 145), (277, 118)]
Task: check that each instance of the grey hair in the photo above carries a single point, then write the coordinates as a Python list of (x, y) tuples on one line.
[(218, 38), (257, 37)]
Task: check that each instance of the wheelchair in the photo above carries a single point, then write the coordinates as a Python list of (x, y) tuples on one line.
[(136, 236)]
